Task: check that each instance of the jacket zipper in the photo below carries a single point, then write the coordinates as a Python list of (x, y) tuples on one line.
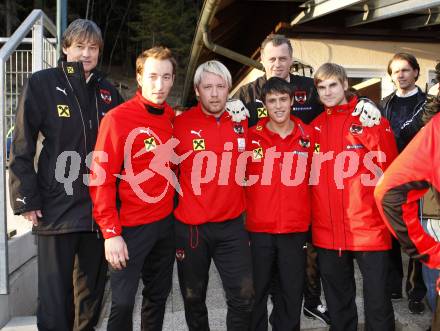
[(84, 127), (80, 112)]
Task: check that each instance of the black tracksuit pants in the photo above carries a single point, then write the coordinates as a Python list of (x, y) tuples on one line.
[(337, 272), (151, 257), (227, 243), (312, 283), (415, 286), (71, 280), (281, 256)]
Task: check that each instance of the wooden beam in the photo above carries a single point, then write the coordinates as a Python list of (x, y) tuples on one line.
[(316, 9), (361, 33), (422, 21), (385, 12)]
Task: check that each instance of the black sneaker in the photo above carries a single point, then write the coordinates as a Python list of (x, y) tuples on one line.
[(416, 307), (319, 312)]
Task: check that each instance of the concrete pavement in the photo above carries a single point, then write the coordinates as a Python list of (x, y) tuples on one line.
[(175, 319)]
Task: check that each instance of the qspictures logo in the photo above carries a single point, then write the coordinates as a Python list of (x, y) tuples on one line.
[(207, 167)]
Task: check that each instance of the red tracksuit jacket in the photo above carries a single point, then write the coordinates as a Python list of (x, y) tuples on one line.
[(204, 137), (282, 204), (344, 213), (403, 184), (150, 131)]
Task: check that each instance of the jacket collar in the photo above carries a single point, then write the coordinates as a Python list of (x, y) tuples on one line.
[(151, 107), (421, 96), (76, 70), (262, 130), (224, 116), (347, 107)]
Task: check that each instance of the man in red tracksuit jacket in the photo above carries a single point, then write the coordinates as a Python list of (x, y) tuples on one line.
[(346, 224), (277, 227), (138, 231), (403, 184), (209, 221)]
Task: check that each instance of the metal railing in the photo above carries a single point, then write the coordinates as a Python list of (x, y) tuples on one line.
[(18, 59)]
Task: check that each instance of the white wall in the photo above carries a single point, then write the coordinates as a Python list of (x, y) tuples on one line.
[(361, 56)]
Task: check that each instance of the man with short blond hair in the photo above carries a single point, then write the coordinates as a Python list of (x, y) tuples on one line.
[(209, 215)]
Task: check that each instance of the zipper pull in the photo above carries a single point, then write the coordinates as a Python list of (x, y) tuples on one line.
[(90, 124), (340, 252)]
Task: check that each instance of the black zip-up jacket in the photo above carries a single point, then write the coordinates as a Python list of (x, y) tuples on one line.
[(411, 122), (306, 105), (59, 104)]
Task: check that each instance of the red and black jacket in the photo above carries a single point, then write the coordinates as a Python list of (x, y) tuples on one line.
[(344, 214), (278, 197), (403, 184), (213, 146), (124, 132)]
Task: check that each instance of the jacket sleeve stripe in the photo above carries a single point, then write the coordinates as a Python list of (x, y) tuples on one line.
[(400, 206)]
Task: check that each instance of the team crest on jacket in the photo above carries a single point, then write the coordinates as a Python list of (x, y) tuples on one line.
[(304, 142), (356, 129), (180, 254), (70, 70), (300, 97), (150, 144), (238, 128), (106, 96), (262, 112), (199, 144), (63, 110)]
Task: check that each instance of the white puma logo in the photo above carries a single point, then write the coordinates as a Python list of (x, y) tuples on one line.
[(198, 133), (145, 131), (61, 90), (317, 128), (112, 230), (21, 200), (259, 101), (256, 142)]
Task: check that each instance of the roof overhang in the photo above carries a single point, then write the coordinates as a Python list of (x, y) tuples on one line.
[(232, 30)]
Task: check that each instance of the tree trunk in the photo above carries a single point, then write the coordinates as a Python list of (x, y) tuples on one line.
[(117, 35)]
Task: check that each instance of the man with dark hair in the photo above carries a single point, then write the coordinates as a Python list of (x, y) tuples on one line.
[(278, 231), (403, 109), (64, 104), (277, 58), (138, 232)]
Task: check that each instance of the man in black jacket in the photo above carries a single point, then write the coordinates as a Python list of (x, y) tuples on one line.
[(65, 105), (403, 109)]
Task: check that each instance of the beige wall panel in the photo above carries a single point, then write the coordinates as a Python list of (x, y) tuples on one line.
[(362, 55)]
